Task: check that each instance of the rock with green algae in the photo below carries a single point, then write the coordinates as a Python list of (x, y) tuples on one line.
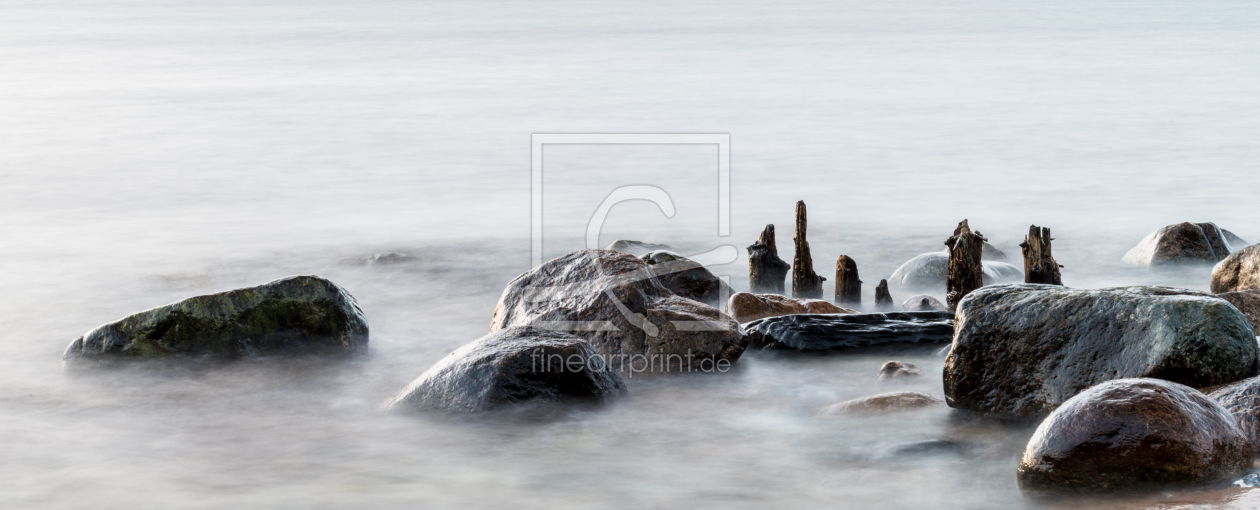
[(1022, 350), (294, 314)]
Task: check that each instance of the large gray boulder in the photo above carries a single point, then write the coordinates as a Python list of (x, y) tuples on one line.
[(687, 278), (1239, 271), (817, 332), (1132, 435), (511, 367), (294, 314), (927, 271), (1022, 350), (613, 301), (1184, 243)]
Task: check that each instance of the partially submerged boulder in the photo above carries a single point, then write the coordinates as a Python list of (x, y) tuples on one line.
[(839, 332), (1133, 435), (385, 258), (746, 307), (294, 314), (1247, 302), (1022, 350), (928, 271), (510, 367), (687, 278), (898, 370), (1239, 271), (636, 248), (612, 300), (884, 403), (1242, 400), (1184, 243), (922, 303)]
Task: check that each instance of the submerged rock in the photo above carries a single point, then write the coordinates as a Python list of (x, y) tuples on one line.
[(612, 300), (294, 314), (928, 271), (509, 367), (1132, 435), (1183, 243), (922, 303), (636, 248), (1022, 350), (1239, 271), (687, 278), (837, 332), (898, 370), (385, 258), (1248, 302), (746, 307), (884, 403), (1242, 400)]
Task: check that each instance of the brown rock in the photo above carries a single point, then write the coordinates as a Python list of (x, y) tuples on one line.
[(885, 403), (1131, 435), (746, 307), (1239, 271), (1242, 399), (612, 300), (805, 282), (766, 271), (687, 278), (1247, 301), (922, 303), (897, 370), (1184, 243)]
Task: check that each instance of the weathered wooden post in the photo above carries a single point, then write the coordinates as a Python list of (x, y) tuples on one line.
[(805, 282), (883, 299), (848, 286), (965, 272), (1039, 265), (767, 272)]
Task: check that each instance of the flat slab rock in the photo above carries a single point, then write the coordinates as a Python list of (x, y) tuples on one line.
[(511, 367), (1022, 350), (748, 307), (294, 314), (1131, 435), (816, 332)]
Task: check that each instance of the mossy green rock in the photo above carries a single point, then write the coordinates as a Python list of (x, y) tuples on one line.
[(1022, 350), (294, 314)]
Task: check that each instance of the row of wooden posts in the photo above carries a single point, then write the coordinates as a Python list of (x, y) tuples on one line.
[(767, 272)]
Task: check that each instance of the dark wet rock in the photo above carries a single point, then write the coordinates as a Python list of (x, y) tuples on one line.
[(289, 315), (1239, 271), (884, 403), (746, 307), (1242, 399), (1133, 435), (385, 258), (636, 248), (1248, 302), (898, 370), (1183, 243), (928, 271), (509, 367), (687, 278), (922, 303), (1021, 350), (611, 300), (814, 332)]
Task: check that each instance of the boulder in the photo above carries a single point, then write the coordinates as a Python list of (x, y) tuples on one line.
[(884, 403), (922, 303), (294, 314), (1242, 400), (1247, 302), (898, 370), (928, 271), (636, 248), (612, 300), (814, 332), (1184, 243), (1239, 271), (746, 307), (1133, 435), (1021, 350), (510, 367), (687, 278)]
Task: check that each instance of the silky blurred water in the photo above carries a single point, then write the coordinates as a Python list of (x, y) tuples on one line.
[(150, 151)]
